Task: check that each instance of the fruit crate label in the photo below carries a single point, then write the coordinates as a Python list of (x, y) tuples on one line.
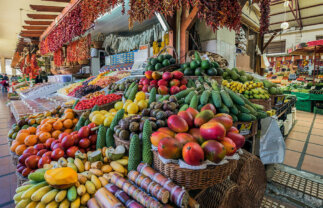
[(245, 129), (280, 100)]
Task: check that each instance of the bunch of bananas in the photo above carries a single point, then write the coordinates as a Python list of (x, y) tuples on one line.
[(239, 87)]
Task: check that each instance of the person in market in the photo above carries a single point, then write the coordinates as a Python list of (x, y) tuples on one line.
[(5, 83), (44, 76)]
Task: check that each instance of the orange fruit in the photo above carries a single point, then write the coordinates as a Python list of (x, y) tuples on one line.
[(69, 115), (31, 140), (68, 131), (38, 132), (51, 121), (24, 131), (68, 123), (56, 133), (14, 145), (75, 120), (20, 149), (68, 110), (44, 121), (58, 125), (46, 127), (21, 137), (32, 130), (44, 136)]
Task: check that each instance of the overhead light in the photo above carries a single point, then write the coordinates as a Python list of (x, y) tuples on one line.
[(286, 4), (162, 21), (284, 25)]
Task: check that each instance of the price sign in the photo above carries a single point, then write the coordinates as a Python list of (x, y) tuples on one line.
[(245, 129), (280, 100)]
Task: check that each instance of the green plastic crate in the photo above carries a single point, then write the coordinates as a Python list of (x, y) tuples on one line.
[(318, 110), (304, 105)]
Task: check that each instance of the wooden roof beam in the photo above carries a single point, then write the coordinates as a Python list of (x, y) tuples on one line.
[(273, 3), (38, 22), (34, 27), (43, 8), (30, 35), (308, 7), (299, 13), (291, 7), (32, 31), (291, 20), (42, 16), (66, 1)]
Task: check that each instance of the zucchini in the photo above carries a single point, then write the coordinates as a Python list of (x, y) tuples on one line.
[(183, 94), (189, 97), (75, 103), (194, 102), (234, 110)]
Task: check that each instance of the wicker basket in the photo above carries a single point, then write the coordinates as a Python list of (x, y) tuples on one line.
[(14, 158), (247, 133), (172, 67), (264, 102), (21, 179), (250, 176), (118, 141), (212, 57), (195, 179), (70, 70), (222, 195), (277, 100)]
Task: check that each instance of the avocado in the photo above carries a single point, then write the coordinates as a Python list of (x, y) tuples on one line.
[(172, 60), (166, 62), (25, 127), (185, 65), (193, 64), (158, 66), (160, 58), (211, 72), (198, 71), (205, 64), (215, 65), (168, 56), (188, 71), (153, 61), (150, 68), (219, 70)]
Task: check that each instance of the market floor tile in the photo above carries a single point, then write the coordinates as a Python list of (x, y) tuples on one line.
[(301, 129), (291, 158), (295, 145), (315, 150), (318, 132), (313, 164), (297, 135), (303, 123), (316, 139)]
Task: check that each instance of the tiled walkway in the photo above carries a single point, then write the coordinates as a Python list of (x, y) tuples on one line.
[(304, 145), (8, 180)]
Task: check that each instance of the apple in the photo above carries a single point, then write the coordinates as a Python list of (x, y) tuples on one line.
[(31, 151), (175, 82), (48, 142), (162, 82), (26, 172), (167, 76), (174, 90), (84, 143), (93, 138), (41, 152), (32, 161), (149, 74), (61, 136), (58, 145), (40, 146), (91, 126), (76, 139), (68, 141), (84, 132), (57, 153), (49, 153), (22, 158), (82, 150), (44, 160), (70, 152)]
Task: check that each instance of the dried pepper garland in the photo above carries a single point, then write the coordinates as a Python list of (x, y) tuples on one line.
[(58, 58), (264, 19)]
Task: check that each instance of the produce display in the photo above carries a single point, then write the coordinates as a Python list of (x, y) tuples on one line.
[(40, 90), (199, 67), (155, 64)]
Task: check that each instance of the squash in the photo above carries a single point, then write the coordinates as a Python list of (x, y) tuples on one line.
[(61, 178)]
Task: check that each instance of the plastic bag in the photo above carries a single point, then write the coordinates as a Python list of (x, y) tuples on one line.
[(272, 144)]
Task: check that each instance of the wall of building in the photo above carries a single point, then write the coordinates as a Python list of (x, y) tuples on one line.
[(293, 38)]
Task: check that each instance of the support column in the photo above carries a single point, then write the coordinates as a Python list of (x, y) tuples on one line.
[(3, 65), (14, 71)]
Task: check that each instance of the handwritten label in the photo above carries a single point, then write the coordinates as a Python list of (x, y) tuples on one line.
[(245, 129), (280, 100)]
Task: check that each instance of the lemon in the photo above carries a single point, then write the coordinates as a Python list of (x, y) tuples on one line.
[(107, 114), (140, 96), (92, 114), (132, 108), (142, 104), (112, 110), (125, 106), (103, 112), (98, 119), (107, 121), (128, 101), (118, 105)]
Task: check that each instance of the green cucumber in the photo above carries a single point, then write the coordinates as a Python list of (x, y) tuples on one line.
[(183, 108), (235, 98), (226, 98), (216, 98)]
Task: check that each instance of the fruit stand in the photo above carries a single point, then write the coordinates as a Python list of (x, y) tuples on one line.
[(174, 136)]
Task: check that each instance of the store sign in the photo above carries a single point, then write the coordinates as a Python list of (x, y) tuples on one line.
[(245, 128)]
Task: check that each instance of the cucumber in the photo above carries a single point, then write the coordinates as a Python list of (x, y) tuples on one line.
[(226, 98), (253, 118), (224, 109), (127, 93), (95, 108), (152, 97), (234, 110), (133, 93), (181, 101), (258, 107), (245, 100), (75, 103), (204, 97), (80, 123), (244, 117), (189, 97), (194, 102), (261, 114), (243, 109), (183, 94), (165, 97), (235, 98), (234, 118), (216, 98), (251, 109)]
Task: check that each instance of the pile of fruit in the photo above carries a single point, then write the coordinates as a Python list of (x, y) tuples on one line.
[(94, 94), (69, 88), (155, 64), (272, 88), (235, 75), (199, 68), (84, 90), (165, 83), (198, 136), (98, 100), (257, 93), (122, 86), (71, 182)]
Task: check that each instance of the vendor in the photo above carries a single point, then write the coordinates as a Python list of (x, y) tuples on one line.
[(44, 76)]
